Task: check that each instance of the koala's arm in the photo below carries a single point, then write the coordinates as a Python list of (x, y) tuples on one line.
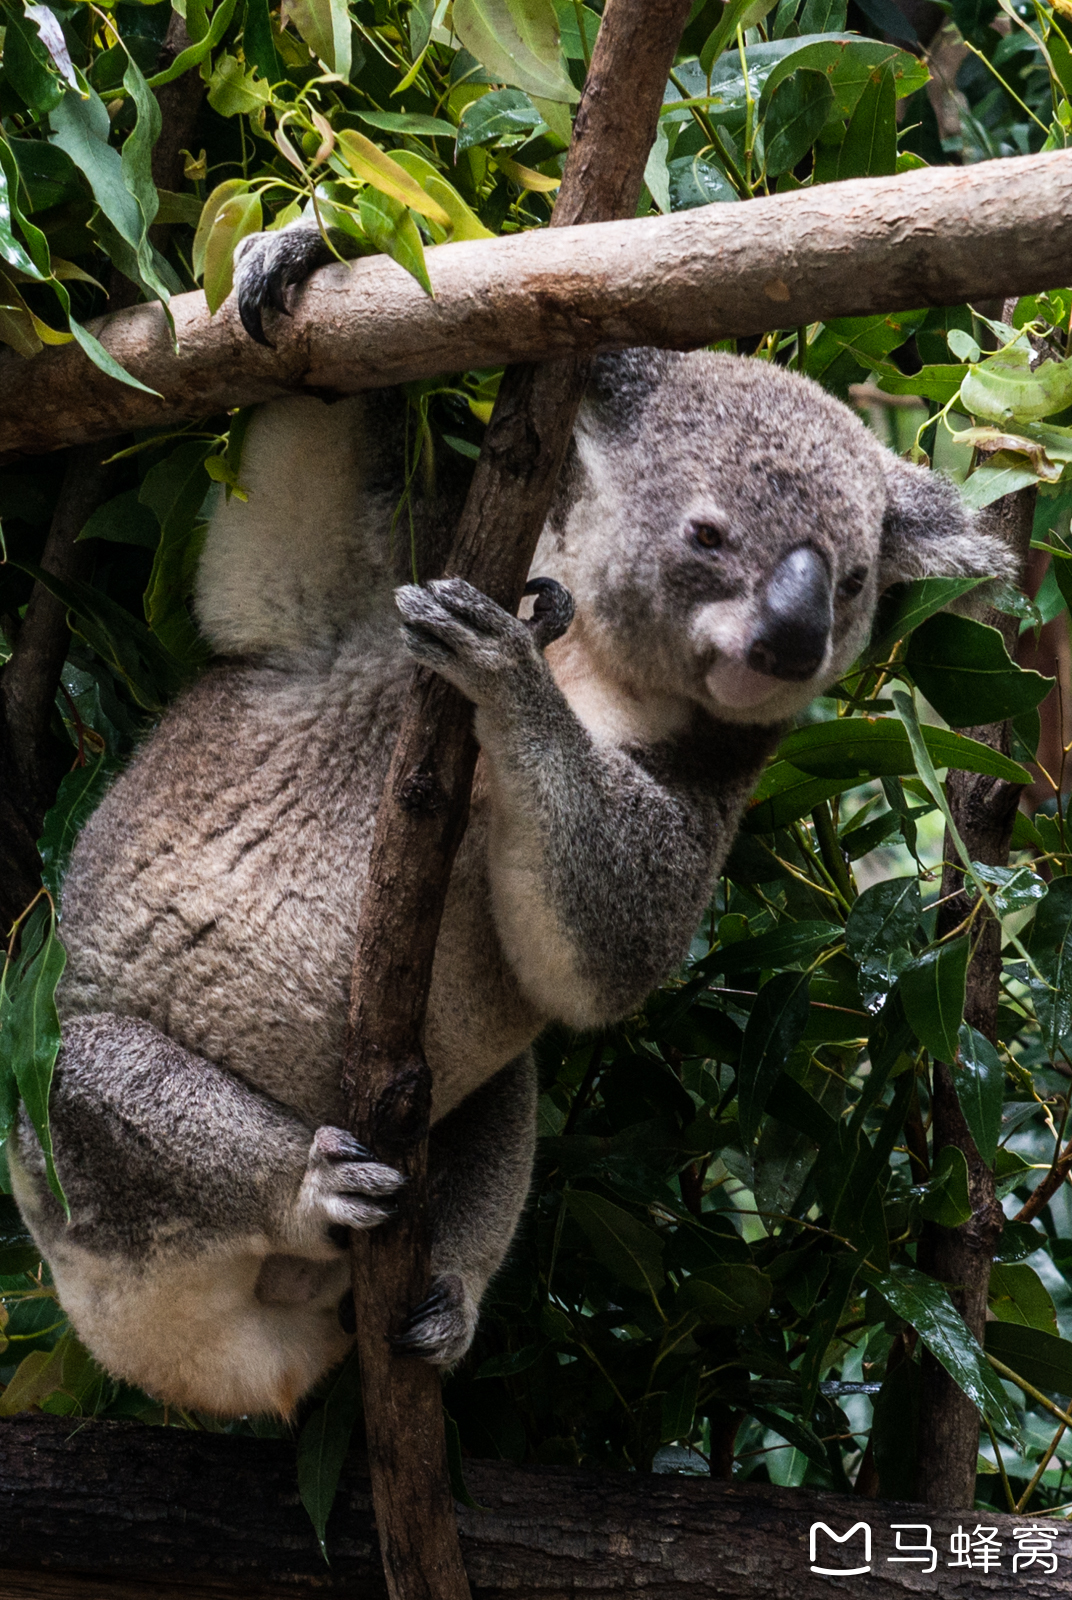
[(160, 1150), (600, 870)]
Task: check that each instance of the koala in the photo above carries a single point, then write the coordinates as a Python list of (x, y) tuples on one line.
[(724, 528)]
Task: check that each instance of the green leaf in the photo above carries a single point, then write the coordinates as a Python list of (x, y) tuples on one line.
[(914, 604), (629, 1249), (30, 1024), (1018, 1240), (932, 989), (1042, 1359), (388, 224), (374, 166), (925, 1305), (862, 747), (121, 187), (946, 1199), (1013, 888), (1003, 388), (518, 42), (967, 675), (869, 148), (979, 1079), (783, 946), (849, 62), (989, 483), (412, 122), (1050, 945), (123, 520), (175, 489), (502, 114), (775, 1028), (233, 221), (199, 51), (729, 1296), (796, 112), (258, 45), (235, 91), (76, 799), (121, 640), (824, 1327), (1017, 1294), (325, 27), (697, 181), (323, 1444), (940, 382), (11, 250), (784, 793), (883, 921), (27, 65), (679, 1406)]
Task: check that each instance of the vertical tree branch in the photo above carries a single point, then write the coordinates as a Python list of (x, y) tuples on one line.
[(422, 817), (983, 810), (32, 762)]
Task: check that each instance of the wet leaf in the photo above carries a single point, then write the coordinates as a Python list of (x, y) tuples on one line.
[(775, 1028), (883, 921), (1042, 1359), (1017, 1294), (502, 114), (979, 1078), (869, 148), (932, 989), (797, 110), (728, 1296), (945, 1199), (925, 1305), (632, 1251), (914, 603), (1050, 945), (967, 675)]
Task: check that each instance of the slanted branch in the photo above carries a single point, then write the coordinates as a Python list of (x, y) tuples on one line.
[(936, 236)]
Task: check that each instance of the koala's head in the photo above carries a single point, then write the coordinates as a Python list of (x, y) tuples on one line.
[(726, 528)]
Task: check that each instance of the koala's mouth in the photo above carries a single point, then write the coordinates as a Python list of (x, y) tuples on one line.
[(734, 684)]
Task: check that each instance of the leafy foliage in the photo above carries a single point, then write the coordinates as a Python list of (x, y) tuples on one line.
[(718, 1266)]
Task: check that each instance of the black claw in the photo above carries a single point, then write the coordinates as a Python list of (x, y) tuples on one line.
[(277, 283), (553, 611), (249, 311)]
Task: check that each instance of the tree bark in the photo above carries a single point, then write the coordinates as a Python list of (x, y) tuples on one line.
[(983, 810), (113, 1511), (32, 761), (936, 236), (422, 816)]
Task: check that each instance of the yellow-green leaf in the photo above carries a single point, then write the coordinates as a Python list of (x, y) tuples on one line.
[(235, 219), (209, 212), (371, 165), (517, 41), (525, 176)]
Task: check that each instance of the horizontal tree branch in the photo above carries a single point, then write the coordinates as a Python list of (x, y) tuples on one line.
[(206, 1514), (935, 236)]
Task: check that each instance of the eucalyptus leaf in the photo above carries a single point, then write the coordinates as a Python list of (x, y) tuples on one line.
[(979, 1079), (925, 1305), (796, 112), (730, 1296), (859, 747), (518, 42), (967, 675), (932, 989), (1017, 1294), (1043, 1359), (323, 1445), (775, 1028), (945, 1198), (1050, 945), (629, 1249)]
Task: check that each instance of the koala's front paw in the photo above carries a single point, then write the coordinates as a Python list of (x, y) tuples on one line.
[(441, 1328), (344, 1185), (467, 638), (266, 265)]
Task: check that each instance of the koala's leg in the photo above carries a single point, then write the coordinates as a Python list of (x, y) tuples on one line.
[(600, 866), (480, 1159), (204, 1259)]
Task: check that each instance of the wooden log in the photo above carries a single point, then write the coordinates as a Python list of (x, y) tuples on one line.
[(936, 236), (114, 1511)]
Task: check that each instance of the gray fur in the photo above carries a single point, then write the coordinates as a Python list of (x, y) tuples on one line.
[(211, 904)]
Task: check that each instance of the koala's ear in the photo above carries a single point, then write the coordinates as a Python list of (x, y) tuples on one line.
[(621, 386), (928, 532)]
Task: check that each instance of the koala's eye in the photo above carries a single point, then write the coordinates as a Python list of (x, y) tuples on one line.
[(850, 586), (707, 534)]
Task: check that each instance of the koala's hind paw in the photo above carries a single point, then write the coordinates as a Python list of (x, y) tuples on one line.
[(467, 638), (266, 265), (441, 1328), (343, 1184)]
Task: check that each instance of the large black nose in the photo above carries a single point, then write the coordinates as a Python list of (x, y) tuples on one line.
[(795, 619)]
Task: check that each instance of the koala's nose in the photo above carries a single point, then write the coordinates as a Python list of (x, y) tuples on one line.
[(796, 617)]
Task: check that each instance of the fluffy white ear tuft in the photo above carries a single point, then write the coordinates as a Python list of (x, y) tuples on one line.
[(929, 533)]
